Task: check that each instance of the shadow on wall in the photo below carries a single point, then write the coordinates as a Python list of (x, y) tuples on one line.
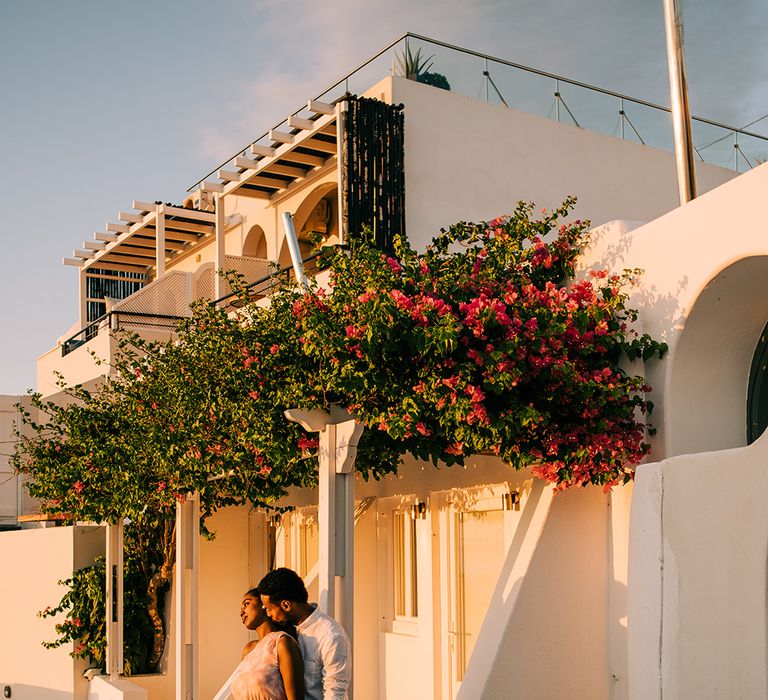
[(554, 638), (615, 241), (22, 691)]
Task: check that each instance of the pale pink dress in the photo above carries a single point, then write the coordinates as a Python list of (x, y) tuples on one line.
[(258, 675)]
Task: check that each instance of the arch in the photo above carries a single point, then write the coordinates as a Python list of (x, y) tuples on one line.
[(204, 282), (302, 221), (255, 244), (328, 191), (706, 392)]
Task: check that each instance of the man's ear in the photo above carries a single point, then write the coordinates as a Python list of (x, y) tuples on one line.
[(286, 605)]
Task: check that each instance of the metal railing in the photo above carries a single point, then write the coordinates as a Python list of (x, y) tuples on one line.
[(266, 285), (497, 80), (116, 319)]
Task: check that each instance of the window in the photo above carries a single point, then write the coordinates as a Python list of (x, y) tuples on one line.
[(400, 520), (404, 569)]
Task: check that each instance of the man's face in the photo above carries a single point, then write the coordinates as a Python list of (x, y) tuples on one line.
[(281, 612), (251, 612)]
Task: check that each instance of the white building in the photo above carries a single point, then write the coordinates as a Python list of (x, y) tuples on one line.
[(459, 593)]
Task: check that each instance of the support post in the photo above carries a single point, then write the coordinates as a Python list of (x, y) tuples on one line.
[(220, 248), (160, 241), (83, 295), (339, 435), (187, 558), (114, 595), (326, 516), (678, 92)]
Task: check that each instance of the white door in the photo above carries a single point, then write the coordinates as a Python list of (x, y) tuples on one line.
[(475, 533)]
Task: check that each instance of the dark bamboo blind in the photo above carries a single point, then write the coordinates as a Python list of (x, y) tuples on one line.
[(374, 172)]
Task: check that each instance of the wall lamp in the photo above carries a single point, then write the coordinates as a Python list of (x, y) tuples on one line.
[(510, 500)]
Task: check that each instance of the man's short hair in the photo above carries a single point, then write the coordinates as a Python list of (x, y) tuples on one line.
[(283, 584)]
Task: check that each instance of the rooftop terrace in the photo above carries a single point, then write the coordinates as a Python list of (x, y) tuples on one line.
[(496, 80)]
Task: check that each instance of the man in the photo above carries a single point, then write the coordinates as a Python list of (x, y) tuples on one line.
[(323, 642)]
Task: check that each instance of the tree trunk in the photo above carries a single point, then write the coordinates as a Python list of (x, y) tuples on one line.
[(157, 583)]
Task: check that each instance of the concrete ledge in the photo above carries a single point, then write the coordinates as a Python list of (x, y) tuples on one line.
[(102, 688)]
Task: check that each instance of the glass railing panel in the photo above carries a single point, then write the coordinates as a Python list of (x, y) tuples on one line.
[(713, 144), (647, 125), (440, 66), (751, 149), (370, 74), (496, 81), (519, 89), (586, 108)]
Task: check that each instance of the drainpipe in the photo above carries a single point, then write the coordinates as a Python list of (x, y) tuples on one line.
[(678, 92)]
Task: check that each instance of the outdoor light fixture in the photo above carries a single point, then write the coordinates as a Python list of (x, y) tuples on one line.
[(419, 511), (510, 500), (275, 520)]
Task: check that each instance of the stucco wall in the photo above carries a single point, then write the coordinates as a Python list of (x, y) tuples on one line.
[(704, 291), (699, 539), (470, 160), (33, 561)]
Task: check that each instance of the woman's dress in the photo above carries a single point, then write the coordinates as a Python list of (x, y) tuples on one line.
[(258, 675)]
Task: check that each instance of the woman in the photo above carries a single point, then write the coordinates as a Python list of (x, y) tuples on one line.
[(271, 667)]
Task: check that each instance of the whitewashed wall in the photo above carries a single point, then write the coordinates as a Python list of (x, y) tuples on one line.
[(33, 561)]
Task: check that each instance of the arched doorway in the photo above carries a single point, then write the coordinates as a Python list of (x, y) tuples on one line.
[(713, 363), (316, 217), (255, 244)]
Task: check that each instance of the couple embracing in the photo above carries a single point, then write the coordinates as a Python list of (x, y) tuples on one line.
[(316, 665)]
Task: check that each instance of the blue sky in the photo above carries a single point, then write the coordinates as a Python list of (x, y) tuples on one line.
[(104, 102)]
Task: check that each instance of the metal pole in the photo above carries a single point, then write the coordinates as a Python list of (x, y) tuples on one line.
[(678, 92), (219, 251), (294, 249)]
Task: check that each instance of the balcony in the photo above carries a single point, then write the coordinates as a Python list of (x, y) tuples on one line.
[(154, 313)]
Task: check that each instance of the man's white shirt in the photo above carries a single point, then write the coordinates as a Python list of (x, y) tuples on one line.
[(327, 657)]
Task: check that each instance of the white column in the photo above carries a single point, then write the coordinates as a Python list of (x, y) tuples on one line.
[(187, 558), (220, 249), (160, 241), (114, 595), (339, 435), (83, 303), (326, 516)]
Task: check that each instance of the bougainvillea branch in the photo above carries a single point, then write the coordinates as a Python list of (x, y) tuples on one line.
[(482, 343)]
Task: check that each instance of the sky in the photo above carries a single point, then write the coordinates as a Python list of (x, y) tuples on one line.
[(104, 102)]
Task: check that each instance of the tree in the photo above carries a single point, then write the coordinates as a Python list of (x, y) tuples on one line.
[(480, 344)]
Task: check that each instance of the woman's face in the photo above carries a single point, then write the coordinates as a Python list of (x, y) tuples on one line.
[(251, 612)]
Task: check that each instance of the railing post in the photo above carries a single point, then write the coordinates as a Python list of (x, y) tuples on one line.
[(160, 241)]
